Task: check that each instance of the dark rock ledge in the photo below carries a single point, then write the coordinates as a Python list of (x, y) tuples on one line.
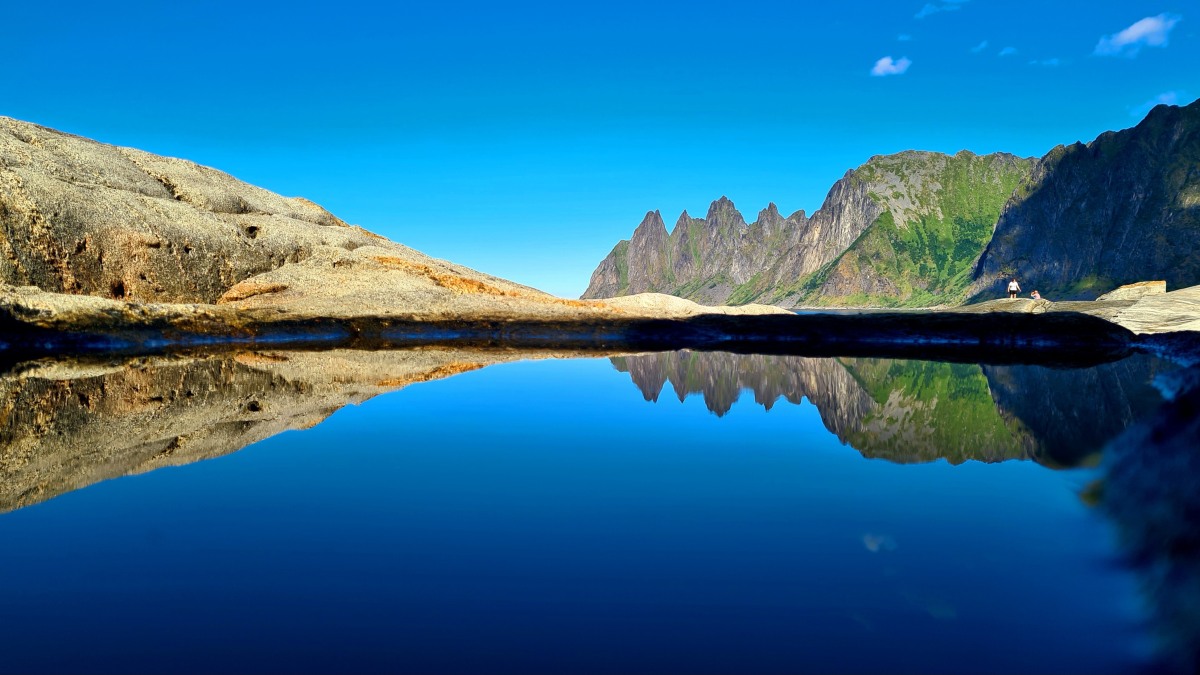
[(997, 337)]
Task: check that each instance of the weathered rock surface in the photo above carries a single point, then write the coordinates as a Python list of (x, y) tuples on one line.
[(1163, 312), (1120, 209), (77, 216), (672, 307), (1135, 291), (1143, 309)]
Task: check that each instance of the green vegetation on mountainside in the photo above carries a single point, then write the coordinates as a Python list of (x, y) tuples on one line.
[(938, 217), (620, 256), (931, 410)]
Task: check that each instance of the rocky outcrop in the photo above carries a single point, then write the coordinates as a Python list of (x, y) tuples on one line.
[(1120, 209), (1162, 312), (81, 217), (1135, 291), (1140, 308)]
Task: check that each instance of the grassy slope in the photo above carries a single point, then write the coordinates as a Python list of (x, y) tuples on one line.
[(928, 259)]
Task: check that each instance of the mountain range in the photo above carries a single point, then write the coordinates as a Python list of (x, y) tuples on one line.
[(924, 229)]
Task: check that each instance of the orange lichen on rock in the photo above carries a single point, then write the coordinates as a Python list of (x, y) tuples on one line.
[(249, 289), (453, 368), (259, 358), (452, 282)]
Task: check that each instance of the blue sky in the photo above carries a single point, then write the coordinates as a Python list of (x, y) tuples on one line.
[(525, 139)]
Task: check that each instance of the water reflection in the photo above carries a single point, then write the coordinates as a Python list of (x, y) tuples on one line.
[(1150, 490), (67, 424), (912, 411), (919, 411)]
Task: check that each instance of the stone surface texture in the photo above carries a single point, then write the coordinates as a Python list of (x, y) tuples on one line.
[(1135, 291)]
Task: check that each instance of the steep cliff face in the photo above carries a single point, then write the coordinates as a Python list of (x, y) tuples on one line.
[(1123, 208), (901, 229)]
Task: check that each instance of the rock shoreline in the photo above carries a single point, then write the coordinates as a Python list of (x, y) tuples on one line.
[(1001, 337)]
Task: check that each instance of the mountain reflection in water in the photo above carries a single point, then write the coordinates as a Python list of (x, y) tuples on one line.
[(920, 411), (67, 424)]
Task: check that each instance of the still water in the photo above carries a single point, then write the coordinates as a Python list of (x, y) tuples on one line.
[(674, 512)]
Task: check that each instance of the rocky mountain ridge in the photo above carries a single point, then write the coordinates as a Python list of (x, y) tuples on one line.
[(922, 229), (1122, 208)]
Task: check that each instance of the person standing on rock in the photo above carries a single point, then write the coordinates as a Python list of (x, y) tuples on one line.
[(1013, 288)]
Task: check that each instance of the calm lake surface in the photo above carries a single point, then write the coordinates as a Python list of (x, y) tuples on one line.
[(674, 512)]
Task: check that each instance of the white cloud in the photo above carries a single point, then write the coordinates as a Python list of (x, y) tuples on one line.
[(1049, 63), (1151, 31), (886, 66), (979, 47), (1008, 51), (904, 37), (1167, 97), (942, 6)]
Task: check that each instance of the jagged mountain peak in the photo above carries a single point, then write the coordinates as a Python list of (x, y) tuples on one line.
[(770, 215), (723, 212), (650, 236), (653, 219)]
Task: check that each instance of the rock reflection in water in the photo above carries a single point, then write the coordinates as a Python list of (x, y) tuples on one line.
[(65, 424), (920, 411)]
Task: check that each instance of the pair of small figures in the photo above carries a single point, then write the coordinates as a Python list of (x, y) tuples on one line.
[(1014, 288)]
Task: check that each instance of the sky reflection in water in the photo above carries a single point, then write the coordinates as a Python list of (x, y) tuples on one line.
[(542, 516)]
